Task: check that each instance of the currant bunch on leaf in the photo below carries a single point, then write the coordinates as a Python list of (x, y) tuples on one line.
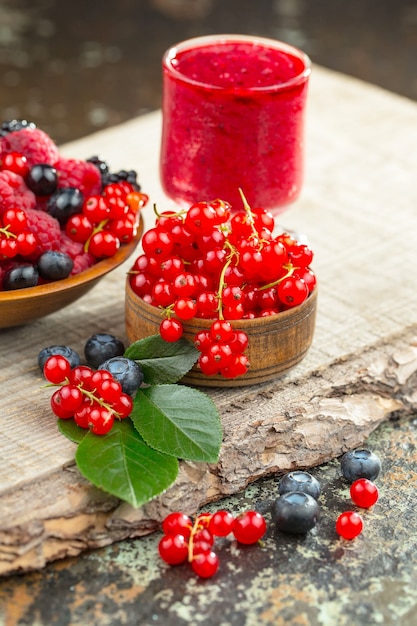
[(209, 263), (185, 540), (93, 398)]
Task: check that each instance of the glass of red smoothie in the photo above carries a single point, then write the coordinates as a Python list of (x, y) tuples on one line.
[(233, 117)]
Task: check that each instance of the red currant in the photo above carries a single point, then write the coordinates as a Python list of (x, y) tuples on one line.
[(103, 244), (15, 162), (292, 291), (171, 329), (56, 369), (173, 549), (364, 493), (157, 243), (249, 527), (185, 308), (221, 523), (177, 523), (100, 420), (349, 525), (205, 564)]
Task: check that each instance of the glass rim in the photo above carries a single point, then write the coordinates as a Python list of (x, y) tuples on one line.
[(187, 44)]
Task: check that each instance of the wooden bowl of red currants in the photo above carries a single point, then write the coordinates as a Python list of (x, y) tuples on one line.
[(244, 295), (22, 306)]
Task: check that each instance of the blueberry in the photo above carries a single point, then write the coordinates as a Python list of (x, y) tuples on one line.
[(42, 179), (127, 372), (65, 202), (360, 463), (295, 512), (54, 265), (102, 346), (21, 277), (70, 354), (300, 481)]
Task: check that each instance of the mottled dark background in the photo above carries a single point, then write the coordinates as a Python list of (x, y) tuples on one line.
[(80, 66)]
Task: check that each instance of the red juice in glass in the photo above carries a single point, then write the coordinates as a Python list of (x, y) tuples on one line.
[(233, 117)]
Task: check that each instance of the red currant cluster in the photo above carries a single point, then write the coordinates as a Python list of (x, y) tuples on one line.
[(364, 494), (107, 220), (211, 264), (15, 235), (92, 397), (185, 540)]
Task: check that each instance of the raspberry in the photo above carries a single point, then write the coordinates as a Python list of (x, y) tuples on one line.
[(14, 193), (82, 175), (46, 229), (82, 260), (34, 143)]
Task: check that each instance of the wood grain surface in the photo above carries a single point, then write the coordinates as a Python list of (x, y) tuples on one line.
[(359, 211)]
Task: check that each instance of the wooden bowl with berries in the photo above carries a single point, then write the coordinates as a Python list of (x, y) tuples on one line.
[(245, 296), (64, 223)]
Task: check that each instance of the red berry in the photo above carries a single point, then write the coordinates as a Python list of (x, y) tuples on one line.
[(157, 243), (349, 525), (200, 218), (15, 162), (171, 329), (109, 390), (249, 527), (221, 330), (205, 564), (364, 493), (173, 549), (79, 228), (100, 420), (177, 523), (292, 291), (221, 523), (185, 308), (56, 369), (123, 406), (184, 284), (103, 244), (96, 209)]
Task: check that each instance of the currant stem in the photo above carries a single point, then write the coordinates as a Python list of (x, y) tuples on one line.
[(168, 213), (7, 232), (100, 226), (222, 283), (290, 271), (196, 527)]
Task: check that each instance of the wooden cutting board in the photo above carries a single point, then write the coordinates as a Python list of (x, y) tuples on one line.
[(359, 211)]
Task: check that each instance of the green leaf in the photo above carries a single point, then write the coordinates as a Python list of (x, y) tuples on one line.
[(178, 420), (122, 464), (163, 362), (71, 430)]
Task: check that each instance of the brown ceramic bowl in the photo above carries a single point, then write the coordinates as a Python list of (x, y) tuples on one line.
[(276, 343), (21, 306)]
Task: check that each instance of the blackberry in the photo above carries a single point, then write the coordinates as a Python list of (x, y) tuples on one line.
[(126, 371), (360, 464), (70, 354), (102, 346), (295, 512), (54, 265), (100, 164), (20, 277), (123, 175), (65, 202), (12, 125), (42, 179), (300, 481)]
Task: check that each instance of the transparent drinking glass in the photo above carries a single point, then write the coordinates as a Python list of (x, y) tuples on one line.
[(234, 118)]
